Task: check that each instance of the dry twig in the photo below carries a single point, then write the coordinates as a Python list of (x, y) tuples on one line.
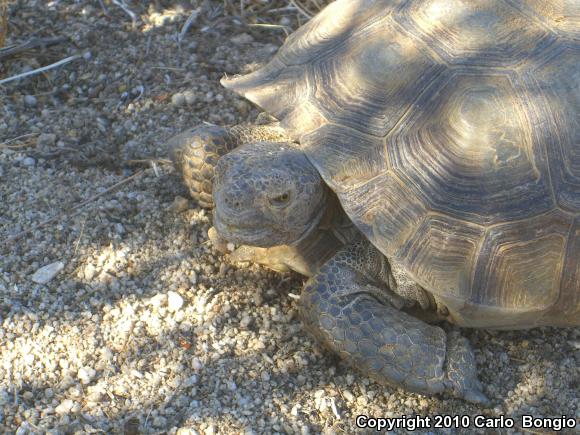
[(272, 26), (309, 8), (76, 209), (301, 9), (190, 20), (40, 70), (33, 43), (3, 21), (122, 5), (6, 144)]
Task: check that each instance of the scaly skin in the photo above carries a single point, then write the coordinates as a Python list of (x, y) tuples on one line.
[(195, 152), (348, 307)]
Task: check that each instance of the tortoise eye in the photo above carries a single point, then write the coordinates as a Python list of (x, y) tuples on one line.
[(280, 200)]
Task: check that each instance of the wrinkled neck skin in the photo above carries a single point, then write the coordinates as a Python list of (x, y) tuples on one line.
[(313, 227), (320, 243)]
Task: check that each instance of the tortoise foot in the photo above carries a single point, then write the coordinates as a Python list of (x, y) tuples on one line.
[(461, 370), (195, 153)]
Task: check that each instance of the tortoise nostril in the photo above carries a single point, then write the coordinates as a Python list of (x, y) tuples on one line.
[(233, 201)]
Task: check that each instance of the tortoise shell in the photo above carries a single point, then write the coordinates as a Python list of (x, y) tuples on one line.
[(449, 130)]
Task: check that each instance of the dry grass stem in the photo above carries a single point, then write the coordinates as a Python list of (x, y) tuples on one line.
[(3, 21), (31, 44), (40, 70), (273, 26), (309, 8), (76, 209), (122, 5), (25, 144), (190, 20)]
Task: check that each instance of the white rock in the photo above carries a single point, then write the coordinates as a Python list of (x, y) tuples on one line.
[(186, 431), (178, 100), (86, 374), (189, 97), (348, 396), (196, 364), (64, 407), (47, 273), (295, 409), (158, 300), (90, 271), (174, 301)]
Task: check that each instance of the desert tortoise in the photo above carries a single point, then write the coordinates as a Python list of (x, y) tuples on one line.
[(449, 132)]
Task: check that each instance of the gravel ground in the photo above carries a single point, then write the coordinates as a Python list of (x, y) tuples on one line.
[(138, 325)]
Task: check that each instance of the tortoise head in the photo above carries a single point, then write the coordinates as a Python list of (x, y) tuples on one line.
[(267, 194)]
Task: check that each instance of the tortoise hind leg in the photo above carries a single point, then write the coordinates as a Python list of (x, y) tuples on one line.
[(195, 152), (347, 308)]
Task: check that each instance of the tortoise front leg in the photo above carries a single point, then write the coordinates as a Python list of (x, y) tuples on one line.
[(195, 152), (349, 308)]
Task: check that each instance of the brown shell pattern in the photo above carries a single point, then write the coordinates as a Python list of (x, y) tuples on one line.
[(450, 131)]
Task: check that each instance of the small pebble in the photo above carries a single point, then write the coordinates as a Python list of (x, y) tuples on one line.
[(243, 38), (245, 322), (46, 140), (178, 100), (89, 271), (29, 162), (348, 396), (197, 364), (179, 204), (174, 301), (86, 374), (30, 100), (189, 97), (64, 407), (158, 301), (159, 421), (192, 380), (47, 273)]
